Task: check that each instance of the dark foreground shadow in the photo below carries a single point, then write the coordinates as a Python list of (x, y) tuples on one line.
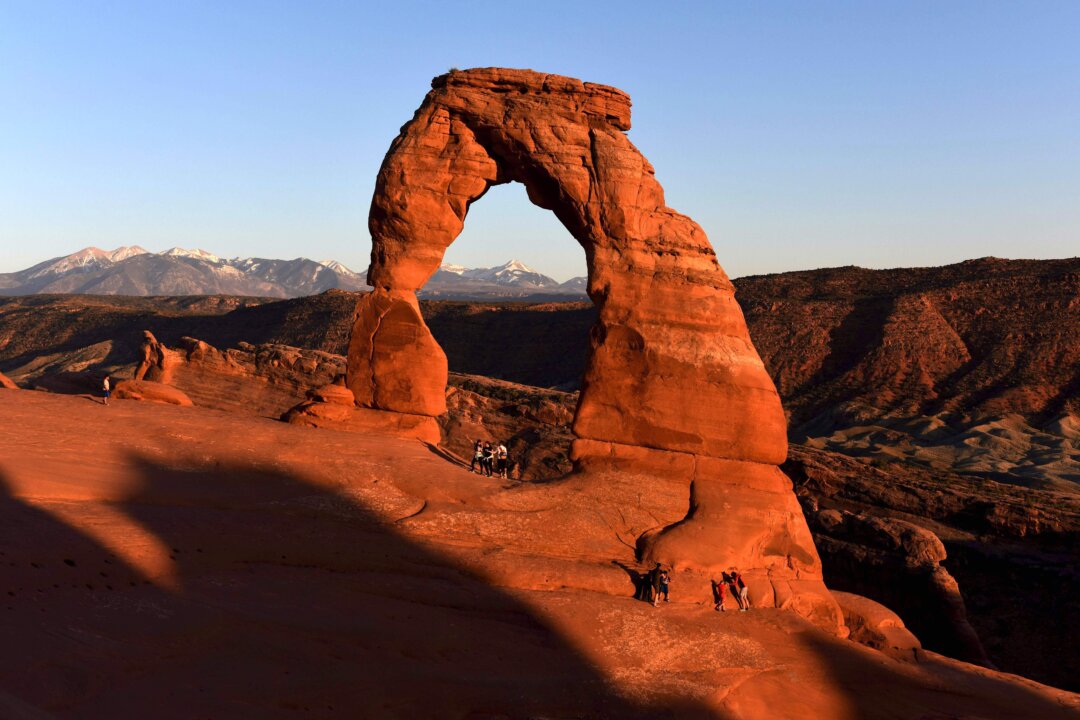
[(287, 601), (272, 597)]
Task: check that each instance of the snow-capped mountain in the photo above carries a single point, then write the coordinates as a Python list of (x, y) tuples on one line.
[(340, 269), (182, 271), (85, 260), (513, 279), (177, 271), (514, 273), (196, 253), (576, 285)]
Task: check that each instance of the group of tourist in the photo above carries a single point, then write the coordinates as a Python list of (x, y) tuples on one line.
[(489, 459), (654, 585), (731, 581)]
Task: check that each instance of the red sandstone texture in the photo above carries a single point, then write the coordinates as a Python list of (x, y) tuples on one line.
[(182, 562), (673, 387), (7, 383), (986, 336), (155, 361)]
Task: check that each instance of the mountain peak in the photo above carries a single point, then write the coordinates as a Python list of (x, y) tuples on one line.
[(125, 251), (197, 253), (86, 259), (339, 268)]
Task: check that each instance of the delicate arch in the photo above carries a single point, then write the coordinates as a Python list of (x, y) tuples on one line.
[(671, 365), (673, 389)]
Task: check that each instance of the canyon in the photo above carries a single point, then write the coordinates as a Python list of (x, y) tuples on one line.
[(515, 368), (901, 546)]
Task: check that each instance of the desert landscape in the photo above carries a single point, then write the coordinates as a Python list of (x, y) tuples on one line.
[(274, 515)]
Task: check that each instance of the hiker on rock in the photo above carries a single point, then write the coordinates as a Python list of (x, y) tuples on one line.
[(478, 457), (106, 389), (654, 584), (728, 581), (501, 456), (718, 594), (642, 586), (487, 459), (665, 579), (740, 590)]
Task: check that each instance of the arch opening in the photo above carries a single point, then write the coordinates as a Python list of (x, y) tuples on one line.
[(516, 340)]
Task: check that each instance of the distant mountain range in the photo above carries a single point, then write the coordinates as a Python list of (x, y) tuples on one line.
[(178, 271), (510, 281)]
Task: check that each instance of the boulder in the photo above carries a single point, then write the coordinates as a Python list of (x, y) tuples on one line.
[(877, 626), (349, 418), (150, 391), (333, 394)]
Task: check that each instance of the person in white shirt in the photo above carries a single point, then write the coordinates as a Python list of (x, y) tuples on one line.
[(500, 460)]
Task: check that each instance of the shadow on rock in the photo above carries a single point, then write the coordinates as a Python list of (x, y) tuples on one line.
[(291, 599)]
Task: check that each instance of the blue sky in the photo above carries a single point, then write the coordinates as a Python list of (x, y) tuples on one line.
[(799, 135)]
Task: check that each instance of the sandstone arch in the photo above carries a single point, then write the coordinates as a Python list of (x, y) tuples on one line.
[(673, 384)]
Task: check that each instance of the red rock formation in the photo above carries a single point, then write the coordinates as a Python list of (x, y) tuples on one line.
[(673, 384), (902, 559), (7, 383), (879, 627), (155, 360), (150, 391), (334, 406), (258, 379)]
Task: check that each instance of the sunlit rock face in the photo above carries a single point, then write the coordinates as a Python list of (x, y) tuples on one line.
[(673, 388)]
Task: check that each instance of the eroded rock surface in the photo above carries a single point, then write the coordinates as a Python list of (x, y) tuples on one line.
[(155, 360), (900, 561), (954, 556), (877, 626), (7, 383)]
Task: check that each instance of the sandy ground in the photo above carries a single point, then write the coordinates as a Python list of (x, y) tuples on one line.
[(186, 563)]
